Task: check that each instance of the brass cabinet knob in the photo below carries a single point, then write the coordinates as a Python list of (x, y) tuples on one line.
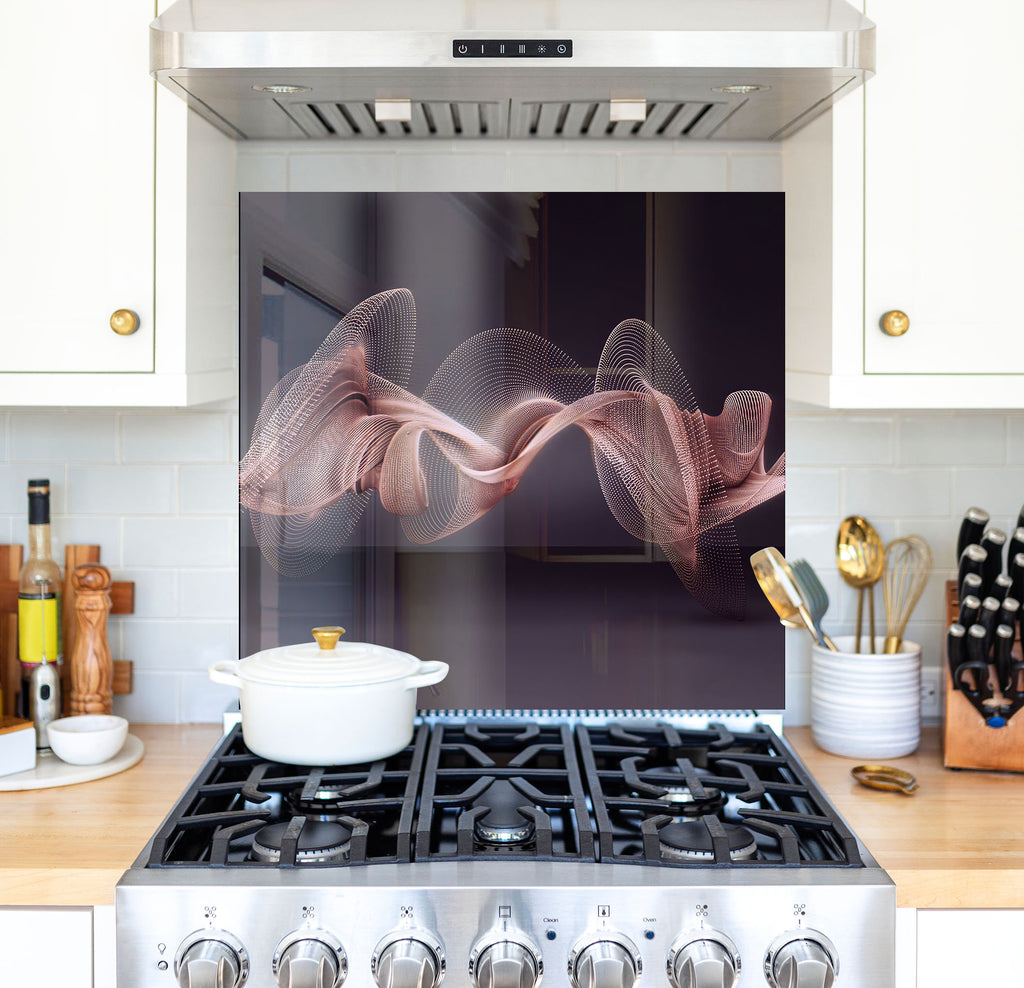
[(327, 637), (895, 323), (124, 322)]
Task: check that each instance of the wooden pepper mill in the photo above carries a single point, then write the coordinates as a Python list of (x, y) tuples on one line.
[(92, 671)]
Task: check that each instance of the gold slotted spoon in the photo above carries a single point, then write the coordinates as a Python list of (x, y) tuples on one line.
[(860, 558), (775, 578)]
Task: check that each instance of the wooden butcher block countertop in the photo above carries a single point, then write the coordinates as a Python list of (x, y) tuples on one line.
[(958, 843), (69, 846)]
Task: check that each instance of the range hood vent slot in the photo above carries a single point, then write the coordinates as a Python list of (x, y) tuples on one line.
[(355, 120), (590, 119)]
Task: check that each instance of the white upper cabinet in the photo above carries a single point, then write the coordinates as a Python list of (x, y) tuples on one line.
[(99, 216), (907, 198)]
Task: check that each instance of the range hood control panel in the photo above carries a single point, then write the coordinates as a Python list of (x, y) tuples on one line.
[(515, 48)]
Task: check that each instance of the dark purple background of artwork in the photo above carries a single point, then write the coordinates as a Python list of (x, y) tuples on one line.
[(545, 602)]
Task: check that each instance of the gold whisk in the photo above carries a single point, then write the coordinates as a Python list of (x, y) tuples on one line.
[(908, 562)]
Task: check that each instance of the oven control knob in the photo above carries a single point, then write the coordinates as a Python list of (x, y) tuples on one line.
[(211, 959), (801, 959), (709, 960), (505, 960), (608, 960), (310, 959), (410, 959)]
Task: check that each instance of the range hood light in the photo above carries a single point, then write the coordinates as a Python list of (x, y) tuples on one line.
[(281, 90), (741, 89)]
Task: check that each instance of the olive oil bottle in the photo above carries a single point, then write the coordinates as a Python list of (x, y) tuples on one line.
[(39, 592)]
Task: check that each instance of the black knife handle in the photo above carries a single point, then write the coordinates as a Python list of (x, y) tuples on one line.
[(956, 652), (970, 608), (988, 619), (977, 659), (972, 560), (1020, 518), (1016, 569), (971, 587), (973, 524), (1009, 612), (1000, 587), (1002, 660), (993, 542), (1016, 545)]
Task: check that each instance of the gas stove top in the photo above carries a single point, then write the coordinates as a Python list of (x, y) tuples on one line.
[(499, 849)]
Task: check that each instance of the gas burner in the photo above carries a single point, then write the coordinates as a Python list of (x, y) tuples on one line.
[(691, 841), (503, 823), (319, 843), (682, 802), (325, 804)]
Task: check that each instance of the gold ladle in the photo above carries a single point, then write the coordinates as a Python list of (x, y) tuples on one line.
[(775, 578), (860, 558)]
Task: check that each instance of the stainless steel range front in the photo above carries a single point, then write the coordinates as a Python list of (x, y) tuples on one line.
[(535, 437), (497, 851)]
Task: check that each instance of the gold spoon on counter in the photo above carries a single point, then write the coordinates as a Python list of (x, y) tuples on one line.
[(860, 558), (775, 578)]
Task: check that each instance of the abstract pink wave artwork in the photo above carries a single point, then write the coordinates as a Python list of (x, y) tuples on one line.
[(344, 425)]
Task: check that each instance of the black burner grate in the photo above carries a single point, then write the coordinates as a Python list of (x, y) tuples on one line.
[(502, 789)]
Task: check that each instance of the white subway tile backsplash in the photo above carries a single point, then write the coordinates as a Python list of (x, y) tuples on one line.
[(261, 172), (156, 591), (120, 489), (467, 171), (755, 172), (14, 478), (158, 645), (72, 437), (175, 437), (811, 539), (154, 699), (1015, 439), (963, 440), (104, 531), (344, 172), (179, 542), (570, 171), (208, 490), (644, 172), (203, 701), (896, 493), (812, 493), (999, 490), (817, 440), (209, 593)]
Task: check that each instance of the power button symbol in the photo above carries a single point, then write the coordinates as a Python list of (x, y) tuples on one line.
[(463, 49)]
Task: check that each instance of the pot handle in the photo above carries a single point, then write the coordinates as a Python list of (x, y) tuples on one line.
[(429, 674), (224, 672)]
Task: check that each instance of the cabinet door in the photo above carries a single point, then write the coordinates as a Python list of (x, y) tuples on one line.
[(969, 947), (944, 203), (76, 194), (46, 948)]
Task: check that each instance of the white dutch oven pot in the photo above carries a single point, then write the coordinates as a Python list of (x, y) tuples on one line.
[(325, 703)]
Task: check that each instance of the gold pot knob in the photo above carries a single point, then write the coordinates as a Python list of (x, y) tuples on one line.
[(327, 636), (895, 323), (124, 322)]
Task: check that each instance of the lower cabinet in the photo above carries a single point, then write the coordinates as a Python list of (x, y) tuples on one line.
[(969, 947), (48, 947)]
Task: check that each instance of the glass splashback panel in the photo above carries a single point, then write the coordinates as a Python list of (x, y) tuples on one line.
[(496, 430)]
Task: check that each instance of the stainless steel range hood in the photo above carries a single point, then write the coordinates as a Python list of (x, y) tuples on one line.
[(492, 69)]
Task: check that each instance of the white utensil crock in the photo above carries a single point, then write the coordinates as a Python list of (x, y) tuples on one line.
[(309, 705), (863, 705)]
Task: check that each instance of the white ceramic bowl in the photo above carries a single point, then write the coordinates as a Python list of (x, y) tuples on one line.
[(88, 739)]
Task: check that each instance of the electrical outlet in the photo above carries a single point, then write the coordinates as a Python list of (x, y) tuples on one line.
[(931, 694)]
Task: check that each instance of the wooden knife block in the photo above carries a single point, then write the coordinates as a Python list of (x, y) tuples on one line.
[(122, 596), (967, 741)]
